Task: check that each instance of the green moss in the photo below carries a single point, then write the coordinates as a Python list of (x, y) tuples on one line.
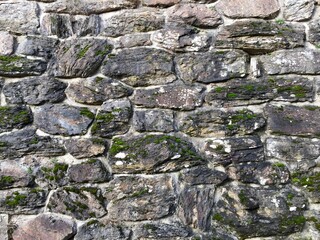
[(139, 193), (217, 217), (83, 51), (293, 221), (105, 117), (242, 197), (9, 59), (55, 173), (103, 52), (279, 165), (16, 199), (91, 161), (3, 144), (231, 95), (21, 116), (118, 145), (249, 87), (312, 108), (298, 90), (290, 196), (149, 226), (220, 89), (280, 21), (34, 140), (242, 115), (6, 180), (310, 182), (86, 112), (220, 148)]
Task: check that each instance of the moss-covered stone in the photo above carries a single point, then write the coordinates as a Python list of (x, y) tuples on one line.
[(14, 117)]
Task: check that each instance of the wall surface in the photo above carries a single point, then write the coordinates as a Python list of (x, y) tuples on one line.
[(159, 119)]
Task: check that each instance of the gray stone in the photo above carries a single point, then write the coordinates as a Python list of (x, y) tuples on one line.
[(26, 142), (79, 202), (91, 171), (291, 120), (4, 220), (112, 119), (6, 43), (19, 17), (314, 32), (67, 120), (35, 91), (88, 7), (298, 10), (258, 36), (86, 148), (152, 154), (153, 120), (80, 58), (172, 96), (16, 66), (212, 66), (134, 198), (140, 66), (234, 150), (13, 117), (13, 175), (132, 21), (52, 174), (134, 40), (159, 3), (245, 8), (300, 61), (96, 90), (46, 226), (309, 181)]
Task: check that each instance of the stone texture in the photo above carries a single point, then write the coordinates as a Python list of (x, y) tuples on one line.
[(234, 150), (140, 66), (112, 119), (209, 122), (68, 120), (79, 58), (298, 10), (86, 148), (96, 90), (134, 198), (152, 154), (80, 203), (134, 40), (153, 120), (6, 43), (159, 3), (314, 32), (46, 226), (245, 8), (16, 66), (35, 91), (19, 17), (52, 174), (213, 66), (14, 175), (13, 117), (258, 36), (4, 226), (172, 96), (310, 183), (132, 21), (291, 61), (290, 120)]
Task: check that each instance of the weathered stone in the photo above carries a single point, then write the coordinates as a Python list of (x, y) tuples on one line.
[(88, 7), (24, 21), (133, 198), (14, 117), (67, 120), (6, 43), (153, 120), (37, 46), (80, 203), (80, 58), (35, 91), (195, 205), (99, 230), (45, 1), (159, 3), (258, 36), (212, 66), (16, 66), (239, 92), (290, 120), (52, 174), (91, 171), (112, 119), (198, 15), (172, 96), (202, 175), (298, 10), (152, 154), (86, 26), (140, 66), (22, 201), (314, 32), (132, 21), (26, 142), (259, 212), (134, 40), (310, 182), (96, 90), (234, 150), (13, 175), (4, 228), (292, 61), (86, 148), (245, 8), (209, 122), (46, 226)]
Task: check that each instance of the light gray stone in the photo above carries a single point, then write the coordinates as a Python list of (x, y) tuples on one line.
[(298, 10), (86, 148), (4, 220), (12, 174), (6, 43)]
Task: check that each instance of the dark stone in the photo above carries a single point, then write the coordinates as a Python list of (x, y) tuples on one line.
[(314, 32), (152, 154), (35, 91), (309, 181), (14, 117), (86, 148), (140, 66), (63, 119)]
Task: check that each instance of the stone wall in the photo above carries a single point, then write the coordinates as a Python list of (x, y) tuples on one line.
[(159, 119)]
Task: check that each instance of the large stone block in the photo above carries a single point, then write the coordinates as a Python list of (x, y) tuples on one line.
[(298, 10), (14, 117)]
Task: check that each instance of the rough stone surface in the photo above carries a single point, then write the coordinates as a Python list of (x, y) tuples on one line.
[(50, 226), (152, 154), (4, 226), (159, 3), (140, 67), (52, 174), (314, 32), (86, 148), (7, 43), (134, 40), (245, 9), (14, 117), (212, 66), (298, 10), (14, 175), (35, 91)]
